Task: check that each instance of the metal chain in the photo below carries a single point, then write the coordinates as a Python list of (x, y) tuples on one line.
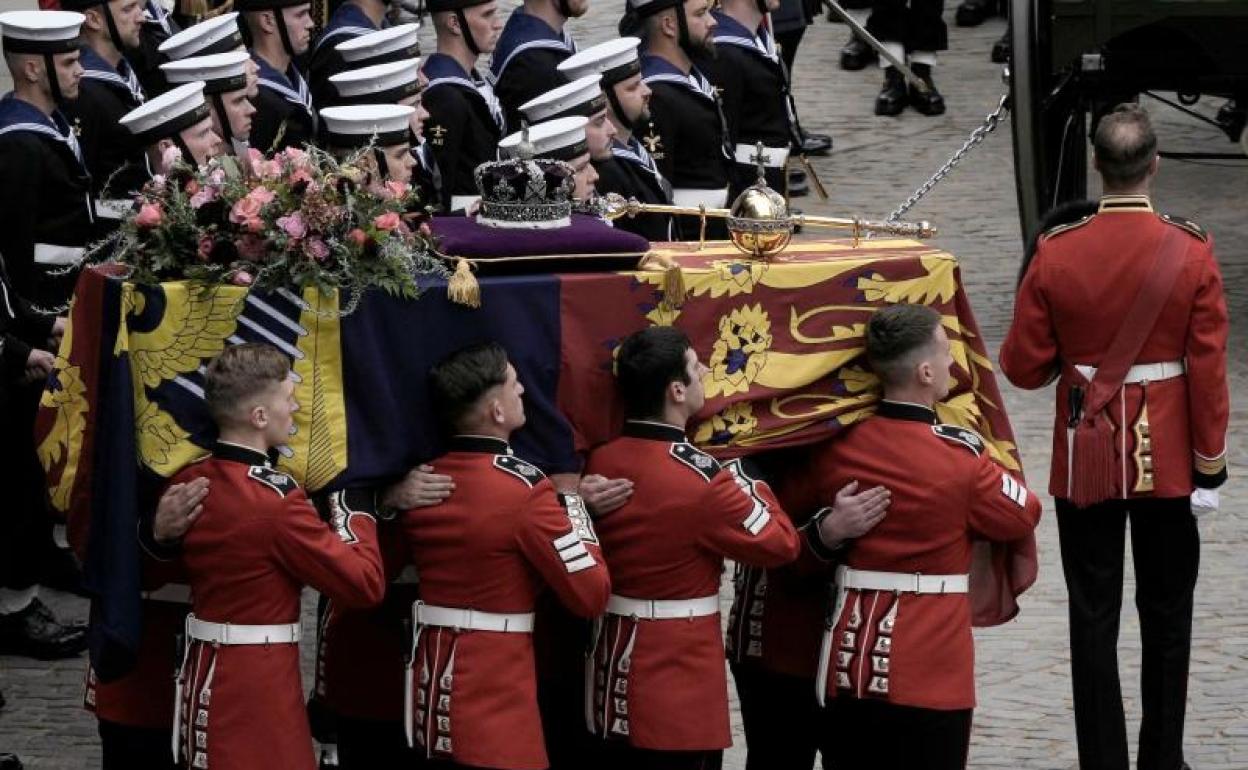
[(980, 133)]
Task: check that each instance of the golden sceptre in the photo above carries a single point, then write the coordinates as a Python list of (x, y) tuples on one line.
[(759, 222)]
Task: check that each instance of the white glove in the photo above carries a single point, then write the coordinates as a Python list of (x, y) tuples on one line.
[(1204, 501)]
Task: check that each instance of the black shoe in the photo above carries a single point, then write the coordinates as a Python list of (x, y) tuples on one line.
[(856, 54), (971, 13), (1232, 118), (36, 633), (3, 702), (62, 573), (892, 99), (930, 103), (797, 184), (816, 144), (10, 762), (1001, 49)]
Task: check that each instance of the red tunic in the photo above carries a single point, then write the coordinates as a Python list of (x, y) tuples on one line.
[(493, 546), (661, 683), (1081, 282), (256, 545), (916, 649)]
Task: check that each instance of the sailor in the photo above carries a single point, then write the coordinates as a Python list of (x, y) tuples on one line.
[(465, 119), (280, 33), (220, 34), (45, 197), (913, 31), (224, 76), (157, 27), (533, 43), (110, 88), (688, 137), (561, 139), (631, 172), (386, 126), (350, 19), (179, 118), (753, 83), (583, 97)]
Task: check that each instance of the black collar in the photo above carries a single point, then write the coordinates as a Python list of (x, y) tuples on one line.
[(901, 410), (658, 431), (239, 453), (484, 444)]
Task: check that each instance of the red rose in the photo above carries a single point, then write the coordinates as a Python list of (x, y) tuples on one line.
[(387, 221), (150, 215), (358, 236)]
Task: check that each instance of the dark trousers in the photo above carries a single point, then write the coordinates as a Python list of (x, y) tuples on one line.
[(878, 735), (916, 24), (128, 748), (788, 41), (618, 755), (1165, 546), (25, 526), (783, 729), (364, 744)]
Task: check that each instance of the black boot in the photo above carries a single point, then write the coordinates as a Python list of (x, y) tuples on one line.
[(1232, 118), (815, 144), (1001, 48), (62, 573), (796, 183), (856, 54), (971, 13), (36, 633), (10, 762), (892, 98), (930, 103)]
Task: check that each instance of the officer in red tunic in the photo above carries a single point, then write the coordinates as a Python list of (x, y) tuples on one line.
[(257, 544), (483, 557), (897, 659), (660, 695), (1163, 426)]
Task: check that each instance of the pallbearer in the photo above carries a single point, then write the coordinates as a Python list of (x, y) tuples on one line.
[(280, 33), (224, 76)]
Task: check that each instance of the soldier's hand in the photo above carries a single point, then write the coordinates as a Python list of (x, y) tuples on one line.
[(179, 507), (604, 495), (39, 365), (421, 487), (853, 513), (1205, 501), (58, 330)]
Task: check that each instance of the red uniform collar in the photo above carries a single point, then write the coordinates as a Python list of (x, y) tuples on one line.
[(657, 431), (904, 410), (238, 453), (482, 444), (1116, 203)]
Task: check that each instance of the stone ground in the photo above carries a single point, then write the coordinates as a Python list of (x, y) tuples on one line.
[(1024, 721)]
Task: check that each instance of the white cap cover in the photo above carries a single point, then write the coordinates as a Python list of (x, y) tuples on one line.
[(561, 139), (355, 126), (615, 60), (583, 96), (216, 35), (399, 42), (164, 116), (220, 72), (379, 83), (40, 31)]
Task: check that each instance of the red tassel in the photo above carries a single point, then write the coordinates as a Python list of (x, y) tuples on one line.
[(1092, 469)]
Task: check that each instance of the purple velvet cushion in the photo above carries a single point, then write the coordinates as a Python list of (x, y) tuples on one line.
[(588, 243)]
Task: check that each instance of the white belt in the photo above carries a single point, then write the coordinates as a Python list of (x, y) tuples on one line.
[(51, 254), (901, 582), (113, 209), (1166, 370), (233, 633), (663, 609), (472, 620), (170, 592), (691, 196), (773, 157), (463, 202)]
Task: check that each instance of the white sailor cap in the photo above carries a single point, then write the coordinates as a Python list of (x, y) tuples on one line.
[(561, 139), (216, 35), (356, 125), (40, 31), (162, 117), (220, 72), (615, 60), (384, 45), (379, 84), (644, 8), (582, 96)]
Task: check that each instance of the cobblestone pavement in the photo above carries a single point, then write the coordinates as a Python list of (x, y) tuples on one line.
[(1024, 720)]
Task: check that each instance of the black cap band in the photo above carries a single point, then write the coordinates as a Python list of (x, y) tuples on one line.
[(584, 109), (225, 85), (567, 153), (389, 96), (384, 138), (623, 72), (230, 42), (19, 45)]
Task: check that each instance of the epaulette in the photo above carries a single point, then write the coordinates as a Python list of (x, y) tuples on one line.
[(1187, 225), (276, 480), (959, 435), (1065, 228), (529, 474), (705, 465)]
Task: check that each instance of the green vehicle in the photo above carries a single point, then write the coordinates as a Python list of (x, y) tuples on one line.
[(1073, 59)]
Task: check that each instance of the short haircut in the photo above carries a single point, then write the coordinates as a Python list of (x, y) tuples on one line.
[(646, 363), (239, 373), (459, 381), (894, 334), (1124, 145)]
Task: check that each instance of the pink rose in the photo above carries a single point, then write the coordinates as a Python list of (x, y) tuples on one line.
[(150, 215), (262, 194), (241, 278), (388, 221), (358, 236), (245, 209), (293, 225), (254, 225), (393, 190), (299, 175), (206, 194), (316, 250), (217, 177), (297, 158)]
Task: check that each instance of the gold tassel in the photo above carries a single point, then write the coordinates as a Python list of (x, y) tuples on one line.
[(462, 288), (674, 291)]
